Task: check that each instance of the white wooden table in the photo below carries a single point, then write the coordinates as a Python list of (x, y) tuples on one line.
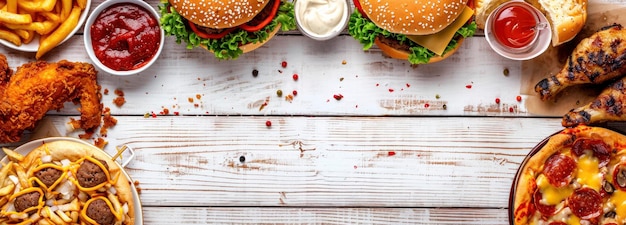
[(407, 144)]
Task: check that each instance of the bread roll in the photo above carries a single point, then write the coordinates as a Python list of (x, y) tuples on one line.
[(567, 18)]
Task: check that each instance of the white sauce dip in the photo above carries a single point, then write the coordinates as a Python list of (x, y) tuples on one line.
[(320, 18)]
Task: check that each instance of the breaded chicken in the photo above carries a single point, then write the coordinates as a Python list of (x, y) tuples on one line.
[(37, 87)]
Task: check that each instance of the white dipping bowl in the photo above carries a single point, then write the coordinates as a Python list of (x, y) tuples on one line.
[(341, 25), (89, 47)]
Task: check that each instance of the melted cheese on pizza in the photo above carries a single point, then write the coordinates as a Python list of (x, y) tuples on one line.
[(588, 172), (552, 195)]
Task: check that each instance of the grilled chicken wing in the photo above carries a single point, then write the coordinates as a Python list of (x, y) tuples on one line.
[(610, 105), (37, 87), (596, 59)]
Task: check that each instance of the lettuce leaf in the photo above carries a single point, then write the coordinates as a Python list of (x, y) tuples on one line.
[(225, 48), (365, 31)]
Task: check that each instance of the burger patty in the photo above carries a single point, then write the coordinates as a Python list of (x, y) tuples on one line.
[(394, 43), (266, 12), (48, 175), (26, 201), (99, 211), (90, 175)]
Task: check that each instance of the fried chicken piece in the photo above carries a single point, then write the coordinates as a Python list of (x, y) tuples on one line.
[(610, 105), (596, 59), (38, 87)]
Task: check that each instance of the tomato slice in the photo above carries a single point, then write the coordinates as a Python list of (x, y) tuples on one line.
[(205, 35), (357, 5), (254, 28)]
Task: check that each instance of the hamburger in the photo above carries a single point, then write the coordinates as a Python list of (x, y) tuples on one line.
[(228, 28), (420, 31)]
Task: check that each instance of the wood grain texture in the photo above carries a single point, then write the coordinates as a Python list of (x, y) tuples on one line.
[(427, 162), (289, 215)]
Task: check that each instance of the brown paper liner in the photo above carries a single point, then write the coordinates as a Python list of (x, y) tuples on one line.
[(552, 61)]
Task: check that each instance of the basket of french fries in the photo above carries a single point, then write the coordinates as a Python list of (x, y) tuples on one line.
[(40, 25), (62, 180)]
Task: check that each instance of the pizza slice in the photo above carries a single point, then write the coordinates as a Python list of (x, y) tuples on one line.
[(577, 177)]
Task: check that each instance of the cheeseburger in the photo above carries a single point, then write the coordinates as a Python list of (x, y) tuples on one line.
[(422, 31), (228, 28)]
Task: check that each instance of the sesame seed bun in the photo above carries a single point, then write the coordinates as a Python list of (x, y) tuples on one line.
[(413, 17), (400, 54), (218, 14)]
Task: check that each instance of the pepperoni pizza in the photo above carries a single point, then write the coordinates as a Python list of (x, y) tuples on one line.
[(577, 177)]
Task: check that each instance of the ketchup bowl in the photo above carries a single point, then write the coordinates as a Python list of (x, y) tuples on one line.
[(123, 37), (518, 31)]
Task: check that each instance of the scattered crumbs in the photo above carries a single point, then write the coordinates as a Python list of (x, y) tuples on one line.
[(106, 91), (190, 99), (108, 122), (100, 142), (341, 79), (344, 62), (119, 101), (267, 99), (505, 71), (437, 96)]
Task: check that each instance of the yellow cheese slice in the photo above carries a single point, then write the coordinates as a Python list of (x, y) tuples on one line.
[(438, 42)]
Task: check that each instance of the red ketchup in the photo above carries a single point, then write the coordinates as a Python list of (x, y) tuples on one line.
[(125, 37), (514, 26)]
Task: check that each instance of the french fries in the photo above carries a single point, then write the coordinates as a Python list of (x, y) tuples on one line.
[(52, 20)]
